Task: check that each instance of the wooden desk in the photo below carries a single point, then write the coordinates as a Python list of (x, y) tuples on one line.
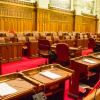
[(32, 49), (80, 66), (54, 89), (70, 42), (23, 85), (11, 52), (77, 52), (14, 51), (4, 52), (92, 95), (97, 43)]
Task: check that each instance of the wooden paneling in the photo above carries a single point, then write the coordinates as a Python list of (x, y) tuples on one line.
[(3, 52), (23, 16), (86, 23), (16, 17)]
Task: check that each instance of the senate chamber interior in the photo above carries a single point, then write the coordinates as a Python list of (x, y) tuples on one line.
[(49, 49)]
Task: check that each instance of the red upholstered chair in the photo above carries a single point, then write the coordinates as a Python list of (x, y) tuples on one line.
[(44, 49), (62, 53), (91, 44)]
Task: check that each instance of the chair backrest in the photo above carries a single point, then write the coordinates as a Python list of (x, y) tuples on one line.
[(42, 34), (85, 37), (2, 32), (54, 34), (91, 43), (60, 33), (48, 38), (19, 34), (22, 39), (91, 36), (2, 40), (26, 33), (36, 35), (70, 34), (46, 32), (10, 35), (81, 36), (62, 52), (67, 37), (95, 36), (44, 46), (73, 37), (31, 39), (55, 39), (73, 33)]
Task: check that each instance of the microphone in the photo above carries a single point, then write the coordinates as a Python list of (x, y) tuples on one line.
[(42, 64)]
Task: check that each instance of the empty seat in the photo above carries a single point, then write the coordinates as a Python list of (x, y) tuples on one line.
[(3, 39), (55, 39), (10, 37), (36, 35), (19, 34), (31, 39)]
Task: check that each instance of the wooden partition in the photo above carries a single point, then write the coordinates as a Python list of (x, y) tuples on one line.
[(15, 51), (3, 52), (32, 49), (11, 52), (17, 15), (23, 16)]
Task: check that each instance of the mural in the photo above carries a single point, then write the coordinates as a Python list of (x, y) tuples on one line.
[(65, 4), (88, 6)]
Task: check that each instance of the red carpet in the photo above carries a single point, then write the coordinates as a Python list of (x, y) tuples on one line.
[(32, 63)]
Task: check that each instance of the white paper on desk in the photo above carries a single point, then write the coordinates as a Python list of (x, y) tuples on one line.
[(89, 61), (98, 56), (50, 75), (5, 89)]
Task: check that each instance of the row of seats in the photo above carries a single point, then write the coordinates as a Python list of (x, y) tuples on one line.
[(72, 39)]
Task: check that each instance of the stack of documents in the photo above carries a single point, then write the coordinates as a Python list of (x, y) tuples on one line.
[(5, 89), (50, 75), (89, 61)]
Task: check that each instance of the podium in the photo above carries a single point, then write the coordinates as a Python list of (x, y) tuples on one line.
[(82, 74), (53, 88), (23, 85)]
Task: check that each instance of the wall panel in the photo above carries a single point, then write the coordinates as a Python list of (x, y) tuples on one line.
[(20, 16), (17, 17)]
